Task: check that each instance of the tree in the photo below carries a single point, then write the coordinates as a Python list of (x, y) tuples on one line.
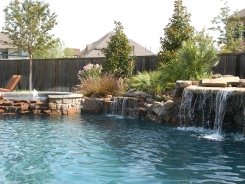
[(55, 52), (68, 52), (230, 30), (177, 31), (119, 61), (28, 24)]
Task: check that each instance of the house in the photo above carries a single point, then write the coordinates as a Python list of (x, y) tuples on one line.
[(94, 49), (241, 14), (8, 51)]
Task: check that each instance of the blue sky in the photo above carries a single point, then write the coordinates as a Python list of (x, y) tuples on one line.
[(82, 22)]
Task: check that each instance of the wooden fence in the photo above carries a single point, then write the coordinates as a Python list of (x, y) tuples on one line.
[(231, 64), (58, 74)]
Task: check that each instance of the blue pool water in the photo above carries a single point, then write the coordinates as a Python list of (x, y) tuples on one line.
[(109, 149)]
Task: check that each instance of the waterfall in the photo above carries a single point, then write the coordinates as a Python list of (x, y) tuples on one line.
[(186, 112), (220, 109), (125, 106), (204, 108), (34, 94), (118, 106), (196, 108)]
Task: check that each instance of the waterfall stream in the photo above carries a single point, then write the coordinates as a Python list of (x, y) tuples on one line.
[(220, 108), (125, 107), (205, 108), (35, 93)]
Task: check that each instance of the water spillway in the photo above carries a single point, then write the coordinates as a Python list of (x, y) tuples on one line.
[(125, 106), (221, 109)]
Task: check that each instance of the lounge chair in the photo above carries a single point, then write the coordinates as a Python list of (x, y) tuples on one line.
[(14, 80)]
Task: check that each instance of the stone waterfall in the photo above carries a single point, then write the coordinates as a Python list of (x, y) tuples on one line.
[(221, 109), (125, 106), (216, 104)]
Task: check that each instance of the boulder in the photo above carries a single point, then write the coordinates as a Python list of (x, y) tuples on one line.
[(158, 108), (218, 82), (231, 80), (150, 100), (137, 94), (168, 105), (224, 81), (177, 92), (93, 105), (241, 83), (182, 83)]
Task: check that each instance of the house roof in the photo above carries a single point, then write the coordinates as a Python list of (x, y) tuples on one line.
[(5, 42), (94, 49), (241, 13)]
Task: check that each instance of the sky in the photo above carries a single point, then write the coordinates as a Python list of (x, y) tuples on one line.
[(82, 22)]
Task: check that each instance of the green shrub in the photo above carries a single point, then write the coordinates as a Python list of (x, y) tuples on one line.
[(169, 73), (194, 61), (146, 81), (197, 55)]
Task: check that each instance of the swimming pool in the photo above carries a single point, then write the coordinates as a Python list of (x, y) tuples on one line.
[(110, 149)]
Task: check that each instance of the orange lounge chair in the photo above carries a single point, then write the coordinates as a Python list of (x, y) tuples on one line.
[(14, 80)]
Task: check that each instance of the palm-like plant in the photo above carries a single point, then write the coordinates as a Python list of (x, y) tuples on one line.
[(197, 55), (194, 61), (146, 81)]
